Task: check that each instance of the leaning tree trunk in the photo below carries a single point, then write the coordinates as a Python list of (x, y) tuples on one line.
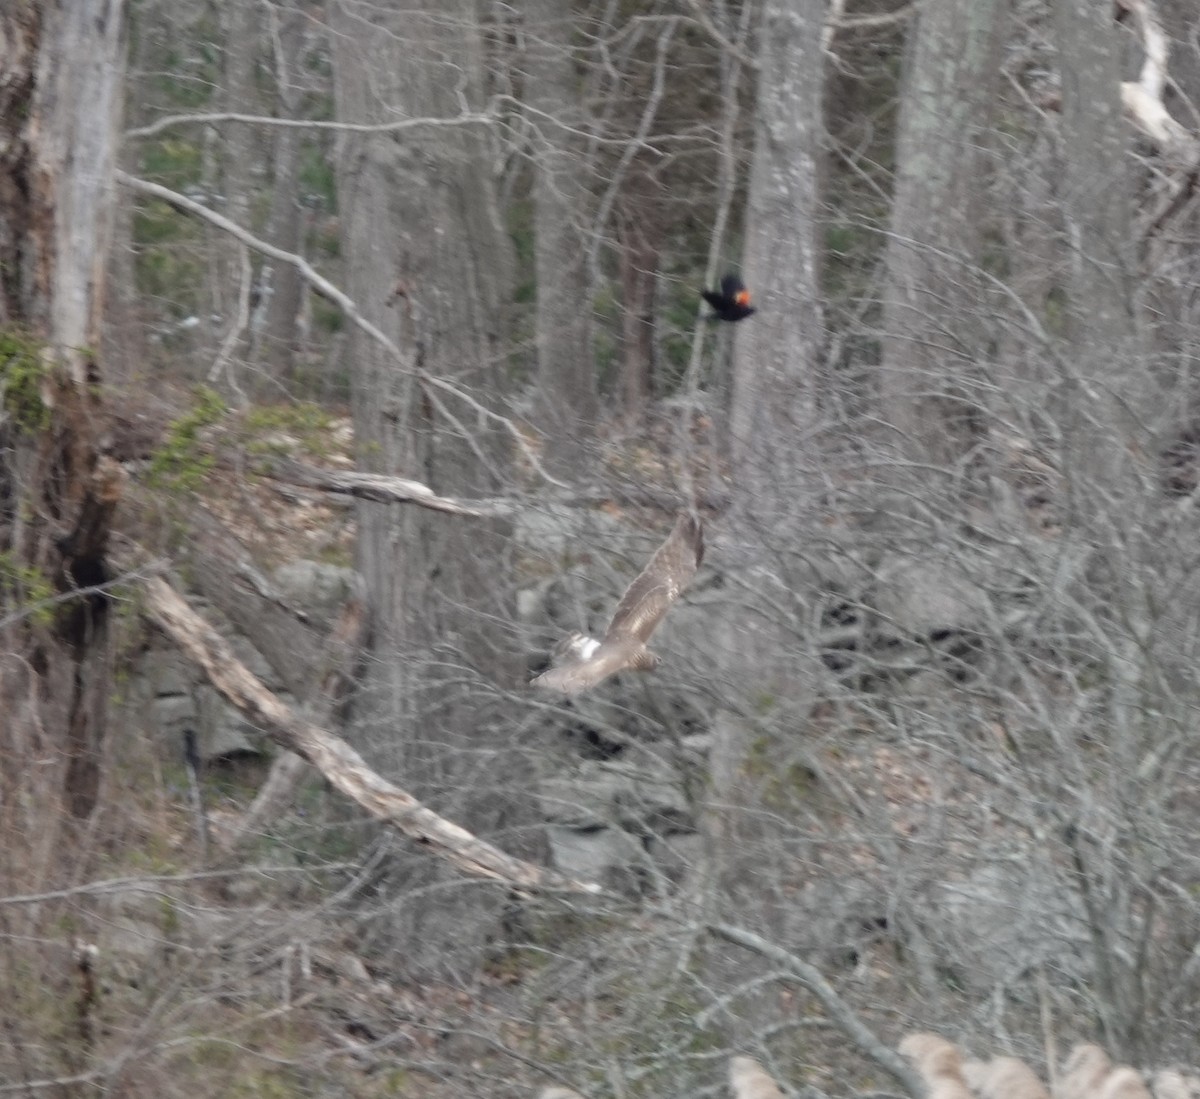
[(60, 100), (430, 263)]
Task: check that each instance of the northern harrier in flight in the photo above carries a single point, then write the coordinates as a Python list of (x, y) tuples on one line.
[(580, 662)]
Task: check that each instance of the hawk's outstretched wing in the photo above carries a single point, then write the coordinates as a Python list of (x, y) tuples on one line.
[(582, 675), (582, 662), (660, 583)]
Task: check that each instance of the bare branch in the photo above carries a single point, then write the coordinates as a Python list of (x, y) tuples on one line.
[(838, 1010), (146, 882), (636, 144), (167, 121), (337, 761), (56, 1082), (881, 19), (386, 490), (318, 281), (715, 34), (339, 298)]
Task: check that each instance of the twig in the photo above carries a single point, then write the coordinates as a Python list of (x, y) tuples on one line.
[(207, 118), (838, 1010), (339, 298)]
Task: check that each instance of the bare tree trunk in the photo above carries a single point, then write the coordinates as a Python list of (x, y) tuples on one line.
[(60, 106), (241, 172), (930, 315), (567, 404), (437, 588), (773, 417), (1106, 388), (639, 240), (279, 336), (1103, 342)]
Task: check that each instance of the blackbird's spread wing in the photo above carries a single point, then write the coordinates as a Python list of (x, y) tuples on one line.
[(660, 583), (713, 297)]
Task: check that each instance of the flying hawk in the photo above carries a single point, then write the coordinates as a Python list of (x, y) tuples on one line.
[(580, 662)]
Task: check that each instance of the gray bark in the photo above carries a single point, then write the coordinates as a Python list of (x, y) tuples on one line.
[(774, 442), (566, 376), (419, 207), (241, 172), (930, 315), (61, 106), (1106, 391), (639, 241), (773, 416), (1106, 378), (279, 336)]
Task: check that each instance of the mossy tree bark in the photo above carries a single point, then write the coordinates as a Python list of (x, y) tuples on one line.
[(60, 101)]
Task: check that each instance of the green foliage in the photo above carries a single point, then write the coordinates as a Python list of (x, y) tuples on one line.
[(173, 161), (22, 370), (607, 310), (521, 232), (336, 554), (783, 783), (25, 586), (317, 178), (679, 318), (269, 426), (179, 463), (168, 265), (169, 913), (190, 71), (1055, 309), (270, 1083), (326, 316), (852, 248)]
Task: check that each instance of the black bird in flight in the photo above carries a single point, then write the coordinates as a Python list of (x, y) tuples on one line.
[(731, 302), (580, 662)]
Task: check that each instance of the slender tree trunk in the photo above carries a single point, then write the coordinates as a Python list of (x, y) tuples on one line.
[(640, 238), (1107, 389), (567, 406), (241, 172), (280, 333)]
